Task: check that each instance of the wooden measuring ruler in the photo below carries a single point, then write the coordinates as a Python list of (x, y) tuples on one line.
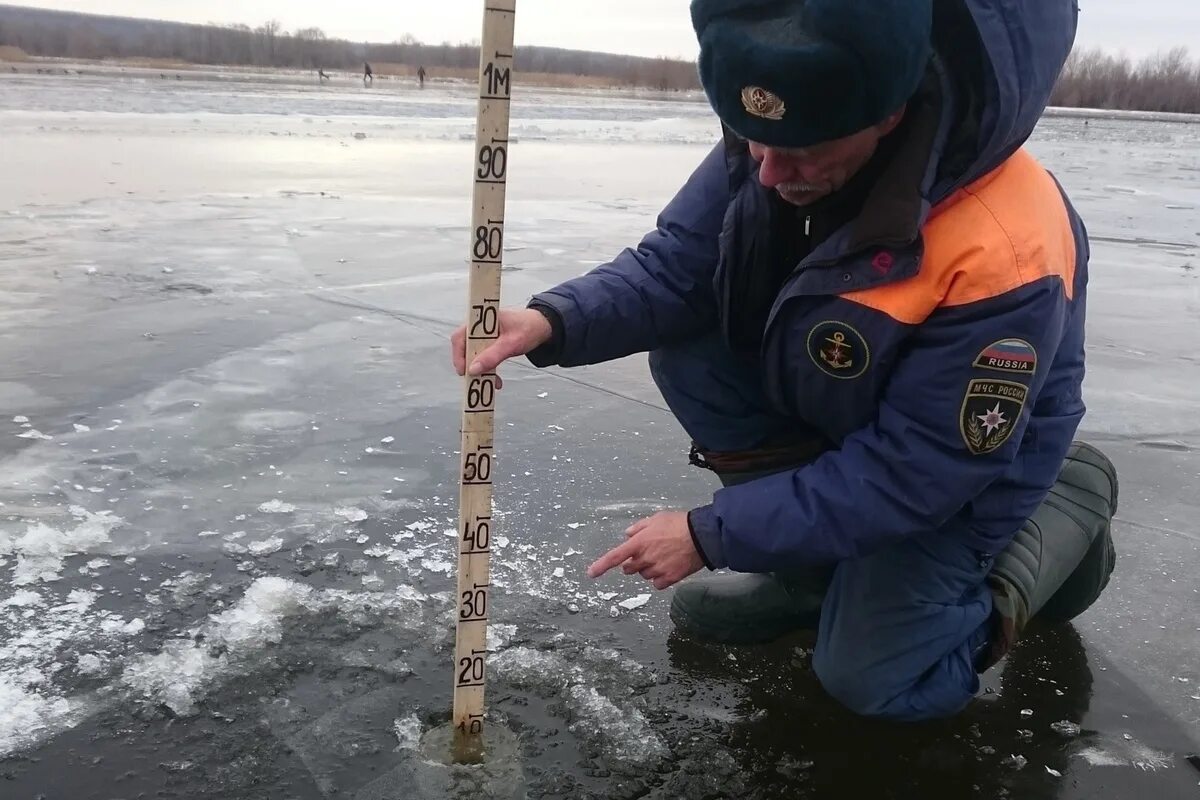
[(478, 464)]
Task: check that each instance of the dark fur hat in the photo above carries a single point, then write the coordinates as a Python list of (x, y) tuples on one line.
[(792, 73)]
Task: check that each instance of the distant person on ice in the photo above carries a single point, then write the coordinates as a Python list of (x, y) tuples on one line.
[(368, 76), (866, 309), (421, 76)]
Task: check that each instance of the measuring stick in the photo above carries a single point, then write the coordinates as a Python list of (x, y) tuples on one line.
[(479, 392)]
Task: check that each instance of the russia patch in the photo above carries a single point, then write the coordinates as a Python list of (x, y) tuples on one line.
[(1008, 355)]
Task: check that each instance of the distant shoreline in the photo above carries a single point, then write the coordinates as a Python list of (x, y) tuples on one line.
[(384, 74), (172, 70)]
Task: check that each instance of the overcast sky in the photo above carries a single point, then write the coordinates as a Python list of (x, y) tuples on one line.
[(639, 27)]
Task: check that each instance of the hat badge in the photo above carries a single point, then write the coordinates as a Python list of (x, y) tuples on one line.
[(761, 103)]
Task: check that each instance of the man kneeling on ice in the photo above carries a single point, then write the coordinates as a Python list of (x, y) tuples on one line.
[(866, 308)]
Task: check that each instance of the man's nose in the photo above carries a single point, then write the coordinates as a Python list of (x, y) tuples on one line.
[(774, 168)]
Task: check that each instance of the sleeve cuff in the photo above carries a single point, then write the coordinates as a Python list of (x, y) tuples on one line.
[(706, 536), (550, 353)]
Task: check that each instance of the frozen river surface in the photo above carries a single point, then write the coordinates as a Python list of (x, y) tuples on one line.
[(228, 491)]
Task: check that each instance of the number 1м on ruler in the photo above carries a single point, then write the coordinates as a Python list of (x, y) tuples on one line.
[(490, 172)]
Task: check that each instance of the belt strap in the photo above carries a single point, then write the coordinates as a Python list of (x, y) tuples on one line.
[(762, 459)]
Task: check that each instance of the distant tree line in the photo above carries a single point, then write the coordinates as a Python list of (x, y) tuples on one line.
[(1090, 79), (61, 34), (1164, 82)]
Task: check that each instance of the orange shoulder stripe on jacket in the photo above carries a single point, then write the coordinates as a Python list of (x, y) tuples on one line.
[(1008, 229)]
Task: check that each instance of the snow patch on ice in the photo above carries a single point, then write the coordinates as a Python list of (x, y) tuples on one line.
[(24, 598), (620, 731), (1101, 758), (39, 631), (28, 717), (1125, 752), (626, 734), (41, 549), (182, 673), (179, 674)]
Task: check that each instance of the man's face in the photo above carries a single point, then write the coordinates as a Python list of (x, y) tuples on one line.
[(804, 175)]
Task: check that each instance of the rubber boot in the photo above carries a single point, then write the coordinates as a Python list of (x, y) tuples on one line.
[(1061, 560), (740, 608)]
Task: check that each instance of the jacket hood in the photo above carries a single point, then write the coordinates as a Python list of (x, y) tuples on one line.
[(1011, 52)]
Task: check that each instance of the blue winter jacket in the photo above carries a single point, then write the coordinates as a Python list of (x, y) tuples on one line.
[(937, 340)]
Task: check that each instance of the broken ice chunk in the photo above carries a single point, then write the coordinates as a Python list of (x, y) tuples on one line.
[(1054, 772), (1015, 762), (266, 547), (408, 732), (437, 565), (558, 573), (1065, 728), (498, 636), (81, 428), (90, 664), (276, 507), (632, 603), (350, 513), (19, 419), (34, 433)]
